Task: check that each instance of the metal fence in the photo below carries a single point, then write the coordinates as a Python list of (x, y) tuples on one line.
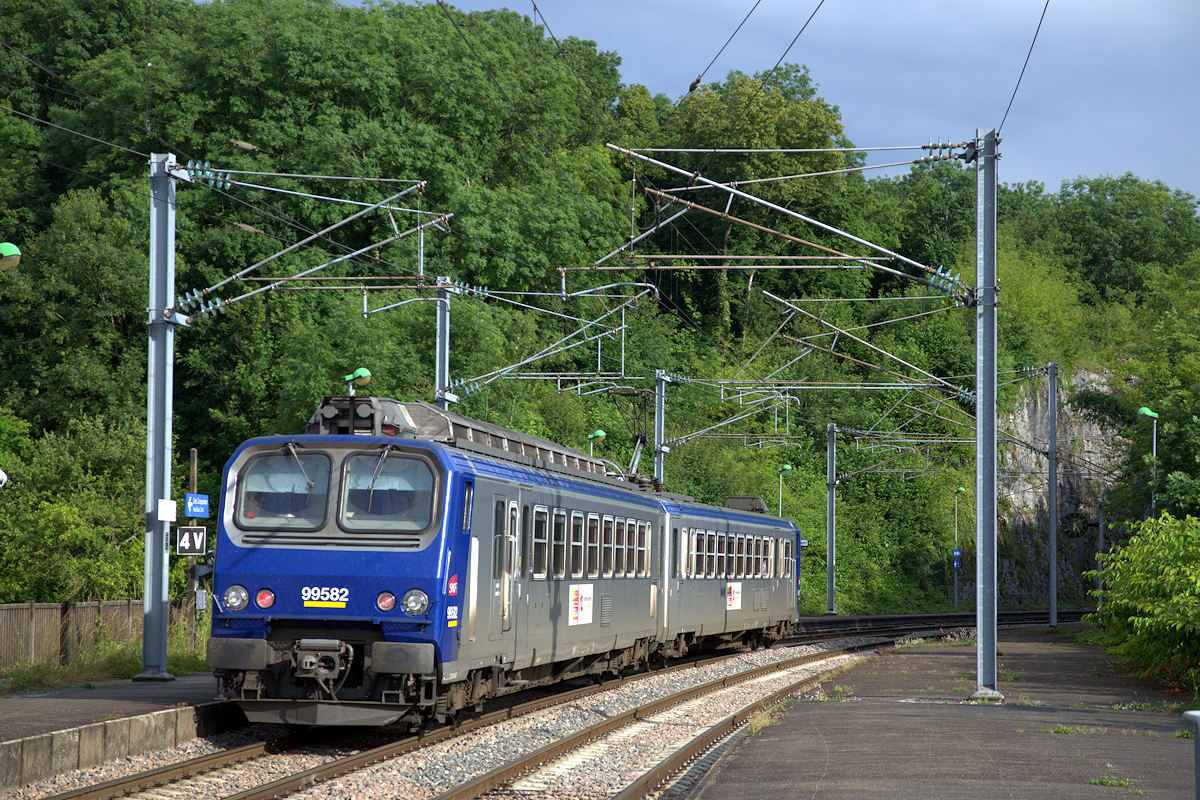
[(57, 633)]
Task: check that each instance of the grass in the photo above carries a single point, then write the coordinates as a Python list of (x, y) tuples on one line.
[(1109, 780), (108, 660), (1010, 676), (764, 717), (1024, 701), (1060, 728), (835, 695), (1185, 734)]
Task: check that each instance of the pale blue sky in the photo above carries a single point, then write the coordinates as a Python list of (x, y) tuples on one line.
[(1112, 86)]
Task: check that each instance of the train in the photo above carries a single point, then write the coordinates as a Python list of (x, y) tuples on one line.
[(398, 563)]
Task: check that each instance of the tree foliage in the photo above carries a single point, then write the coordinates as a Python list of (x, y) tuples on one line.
[(1150, 603), (508, 128)]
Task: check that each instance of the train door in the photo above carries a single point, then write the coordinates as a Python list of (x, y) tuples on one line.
[(506, 526), (532, 626)]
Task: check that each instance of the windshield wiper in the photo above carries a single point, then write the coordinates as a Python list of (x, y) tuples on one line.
[(291, 448), (387, 448)]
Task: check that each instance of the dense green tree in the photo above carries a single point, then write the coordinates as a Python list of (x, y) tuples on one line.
[(1115, 228)]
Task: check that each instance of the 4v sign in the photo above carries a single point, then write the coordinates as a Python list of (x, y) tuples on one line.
[(190, 540)]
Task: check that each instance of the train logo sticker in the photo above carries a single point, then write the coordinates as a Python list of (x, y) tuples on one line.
[(733, 596), (581, 604), (452, 586)]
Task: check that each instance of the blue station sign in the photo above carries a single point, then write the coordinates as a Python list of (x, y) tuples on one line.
[(196, 505)]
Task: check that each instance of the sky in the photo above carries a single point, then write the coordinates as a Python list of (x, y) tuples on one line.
[(1111, 87)]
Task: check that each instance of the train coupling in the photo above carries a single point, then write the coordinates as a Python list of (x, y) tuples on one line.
[(322, 659)]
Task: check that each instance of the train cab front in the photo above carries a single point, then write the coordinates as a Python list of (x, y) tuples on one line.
[(329, 581)]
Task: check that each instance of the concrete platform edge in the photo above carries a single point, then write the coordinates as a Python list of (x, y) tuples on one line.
[(35, 758)]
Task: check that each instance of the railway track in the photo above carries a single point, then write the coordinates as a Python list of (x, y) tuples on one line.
[(205, 773)]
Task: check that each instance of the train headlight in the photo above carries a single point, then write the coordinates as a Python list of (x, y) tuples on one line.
[(386, 601), (265, 598), (415, 602), (236, 597)]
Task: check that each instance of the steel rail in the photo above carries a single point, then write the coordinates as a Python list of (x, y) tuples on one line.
[(148, 779)]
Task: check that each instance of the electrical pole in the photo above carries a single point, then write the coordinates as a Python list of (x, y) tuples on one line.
[(441, 369), (830, 516), (661, 379), (985, 413), (159, 389), (1052, 499)]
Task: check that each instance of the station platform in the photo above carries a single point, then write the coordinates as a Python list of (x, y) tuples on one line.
[(47, 733), (902, 725)]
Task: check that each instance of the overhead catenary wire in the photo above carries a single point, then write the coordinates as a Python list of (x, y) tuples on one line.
[(1023, 67), (700, 77)]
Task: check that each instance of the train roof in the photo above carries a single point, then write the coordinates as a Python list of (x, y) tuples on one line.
[(383, 416)]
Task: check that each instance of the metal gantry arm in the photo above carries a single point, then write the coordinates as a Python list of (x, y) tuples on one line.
[(696, 177)]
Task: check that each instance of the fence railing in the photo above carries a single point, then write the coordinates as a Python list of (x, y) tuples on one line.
[(57, 633)]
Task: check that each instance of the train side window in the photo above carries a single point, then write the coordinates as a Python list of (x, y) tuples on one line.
[(577, 562), (511, 544), (769, 557), (558, 551), (593, 545), (525, 553), (619, 548), (643, 549), (675, 564), (606, 548), (498, 542), (541, 523), (722, 552), (758, 556), (701, 541), (468, 503), (710, 561), (631, 532), (681, 542), (788, 561), (736, 551)]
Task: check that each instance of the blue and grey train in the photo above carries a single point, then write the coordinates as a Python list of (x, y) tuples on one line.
[(397, 563)]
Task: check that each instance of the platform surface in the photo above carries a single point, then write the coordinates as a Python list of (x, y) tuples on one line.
[(902, 725), (32, 714)]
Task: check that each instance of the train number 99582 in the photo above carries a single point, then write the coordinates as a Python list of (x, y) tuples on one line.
[(335, 594)]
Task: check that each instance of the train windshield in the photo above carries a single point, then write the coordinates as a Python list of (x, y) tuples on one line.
[(284, 491), (387, 492)]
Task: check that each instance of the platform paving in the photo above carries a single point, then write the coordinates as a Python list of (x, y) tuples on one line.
[(902, 725), (47, 733)]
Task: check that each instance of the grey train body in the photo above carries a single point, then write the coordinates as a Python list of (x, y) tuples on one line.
[(564, 582)]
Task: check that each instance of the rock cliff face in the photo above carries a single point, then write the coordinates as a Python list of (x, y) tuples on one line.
[(1087, 457)]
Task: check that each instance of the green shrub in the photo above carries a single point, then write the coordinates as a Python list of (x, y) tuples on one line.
[(1150, 605)]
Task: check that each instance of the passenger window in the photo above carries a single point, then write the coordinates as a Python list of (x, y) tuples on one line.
[(630, 547), (769, 558), (701, 544), (722, 545), (593, 545), (619, 549), (675, 561), (468, 503), (558, 552), (577, 563), (757, 556), (541, 521), (606, 548), (498, 542), (710, 568), (643, 549)]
